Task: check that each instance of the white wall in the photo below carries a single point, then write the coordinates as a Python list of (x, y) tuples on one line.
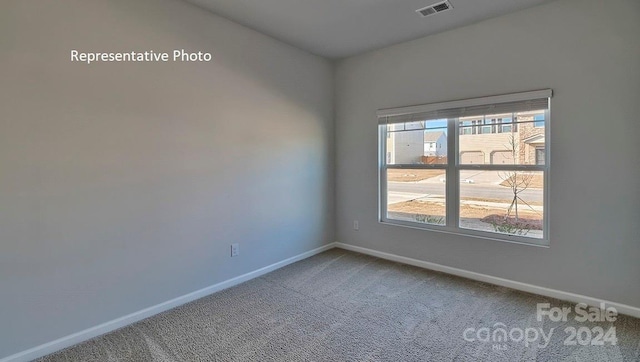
[(122, 185), (408, 147), (586, 50)]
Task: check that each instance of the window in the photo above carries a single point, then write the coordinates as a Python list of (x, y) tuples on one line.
[(540, 155), (490, 181), (507, 126), (538, 120), (487, 126)]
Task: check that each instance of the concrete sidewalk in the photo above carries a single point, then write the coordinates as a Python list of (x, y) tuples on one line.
[(397, 197)]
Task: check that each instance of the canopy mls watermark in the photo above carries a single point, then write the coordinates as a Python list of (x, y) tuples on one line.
[(592, 326), (177, 55)]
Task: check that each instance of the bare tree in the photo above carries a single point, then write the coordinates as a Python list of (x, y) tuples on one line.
[(517, 181)]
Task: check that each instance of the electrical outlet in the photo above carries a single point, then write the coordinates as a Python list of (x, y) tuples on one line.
[(355, 225), (235, 249)]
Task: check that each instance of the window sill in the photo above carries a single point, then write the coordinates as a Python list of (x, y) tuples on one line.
[(541, 243)]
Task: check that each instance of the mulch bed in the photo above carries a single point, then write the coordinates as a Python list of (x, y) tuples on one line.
[(521, 223)]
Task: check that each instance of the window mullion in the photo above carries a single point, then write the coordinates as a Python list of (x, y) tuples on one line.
[(382, 173), (452, 177)]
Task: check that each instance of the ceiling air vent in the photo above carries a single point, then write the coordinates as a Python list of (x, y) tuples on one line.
[(435, 8)]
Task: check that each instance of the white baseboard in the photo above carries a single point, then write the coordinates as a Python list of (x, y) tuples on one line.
[(530, 288), (70, 340)]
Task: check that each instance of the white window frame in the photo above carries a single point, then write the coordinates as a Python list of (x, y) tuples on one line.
[(453, 168)]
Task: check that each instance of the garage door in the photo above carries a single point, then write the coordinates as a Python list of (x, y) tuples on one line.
[(471, 157), (502, 157)]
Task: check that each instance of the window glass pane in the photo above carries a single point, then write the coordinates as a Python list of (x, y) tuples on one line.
[(414, 143), (516, 140), (416, 195), (505, 202), (470, 125)]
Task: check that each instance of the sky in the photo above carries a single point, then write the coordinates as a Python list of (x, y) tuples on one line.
[(438, 125)]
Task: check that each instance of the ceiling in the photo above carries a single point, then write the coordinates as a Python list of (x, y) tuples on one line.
[(341, 28)]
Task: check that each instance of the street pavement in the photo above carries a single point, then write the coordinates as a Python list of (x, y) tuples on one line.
[(473, 184)]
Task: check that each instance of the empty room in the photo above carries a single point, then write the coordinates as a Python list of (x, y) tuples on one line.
[(308, 180)]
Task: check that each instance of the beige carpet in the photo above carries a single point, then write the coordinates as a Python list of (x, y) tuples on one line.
[(343, 306)]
